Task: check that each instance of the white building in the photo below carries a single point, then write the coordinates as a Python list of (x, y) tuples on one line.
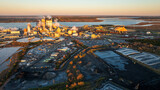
[(48, 39), (54, 54), (28, 27), (63, 49)]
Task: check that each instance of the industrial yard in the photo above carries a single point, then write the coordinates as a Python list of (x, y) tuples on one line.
[(80, 45), (146, 58), (88, 57)]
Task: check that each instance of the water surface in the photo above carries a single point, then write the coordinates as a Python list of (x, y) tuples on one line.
[(113, 21)]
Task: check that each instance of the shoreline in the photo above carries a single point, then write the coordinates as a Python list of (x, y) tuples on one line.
[(153, 24), (60, 19)]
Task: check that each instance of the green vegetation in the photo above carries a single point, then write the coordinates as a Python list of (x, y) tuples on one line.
[(13, 66), (149, 41), (80, 44), (144, 47), (77, 19), (75, 77), (14, 63), (35, 43), (60, 86), (86, 86), (99, 81), (142, 64), (63, 61), (66, 57)]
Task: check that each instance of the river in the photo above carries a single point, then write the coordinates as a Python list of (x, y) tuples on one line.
[(112, 21)]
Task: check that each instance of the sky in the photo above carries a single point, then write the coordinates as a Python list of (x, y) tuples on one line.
[(80, 7)]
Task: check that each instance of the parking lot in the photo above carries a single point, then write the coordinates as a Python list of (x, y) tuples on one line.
[(94, 42)]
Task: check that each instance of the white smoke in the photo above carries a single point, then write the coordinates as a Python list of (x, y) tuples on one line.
[(39, 23), (29, 24), (14, 29), (74, 28), (56, 24), (55, 20), (1, 28)]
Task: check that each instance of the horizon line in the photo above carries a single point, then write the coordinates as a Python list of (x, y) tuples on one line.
[(81, 15)]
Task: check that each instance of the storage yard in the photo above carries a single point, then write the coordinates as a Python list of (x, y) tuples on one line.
[(127, 71), (146, 58), (96, 56), (112, 58), (39, 63)]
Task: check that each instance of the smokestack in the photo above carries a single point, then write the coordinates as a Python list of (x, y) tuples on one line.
[(49, 17)]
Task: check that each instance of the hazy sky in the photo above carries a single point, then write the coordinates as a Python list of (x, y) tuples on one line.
[(80, 7)]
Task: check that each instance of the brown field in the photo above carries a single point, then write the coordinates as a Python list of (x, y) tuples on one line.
[(155, 21), (7, 19), (145, 28)]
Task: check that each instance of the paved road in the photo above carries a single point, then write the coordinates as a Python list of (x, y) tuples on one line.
[(59, 70), (112, 70), (66, 64)]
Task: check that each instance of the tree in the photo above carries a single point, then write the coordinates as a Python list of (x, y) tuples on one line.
[(83, 55), (70, 74), (71, 62), (80, 62), (67, 71), (73, 85), (74, 66), (76, 57), (81, 83), (77, 71), (80, 76), (66, 86)]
